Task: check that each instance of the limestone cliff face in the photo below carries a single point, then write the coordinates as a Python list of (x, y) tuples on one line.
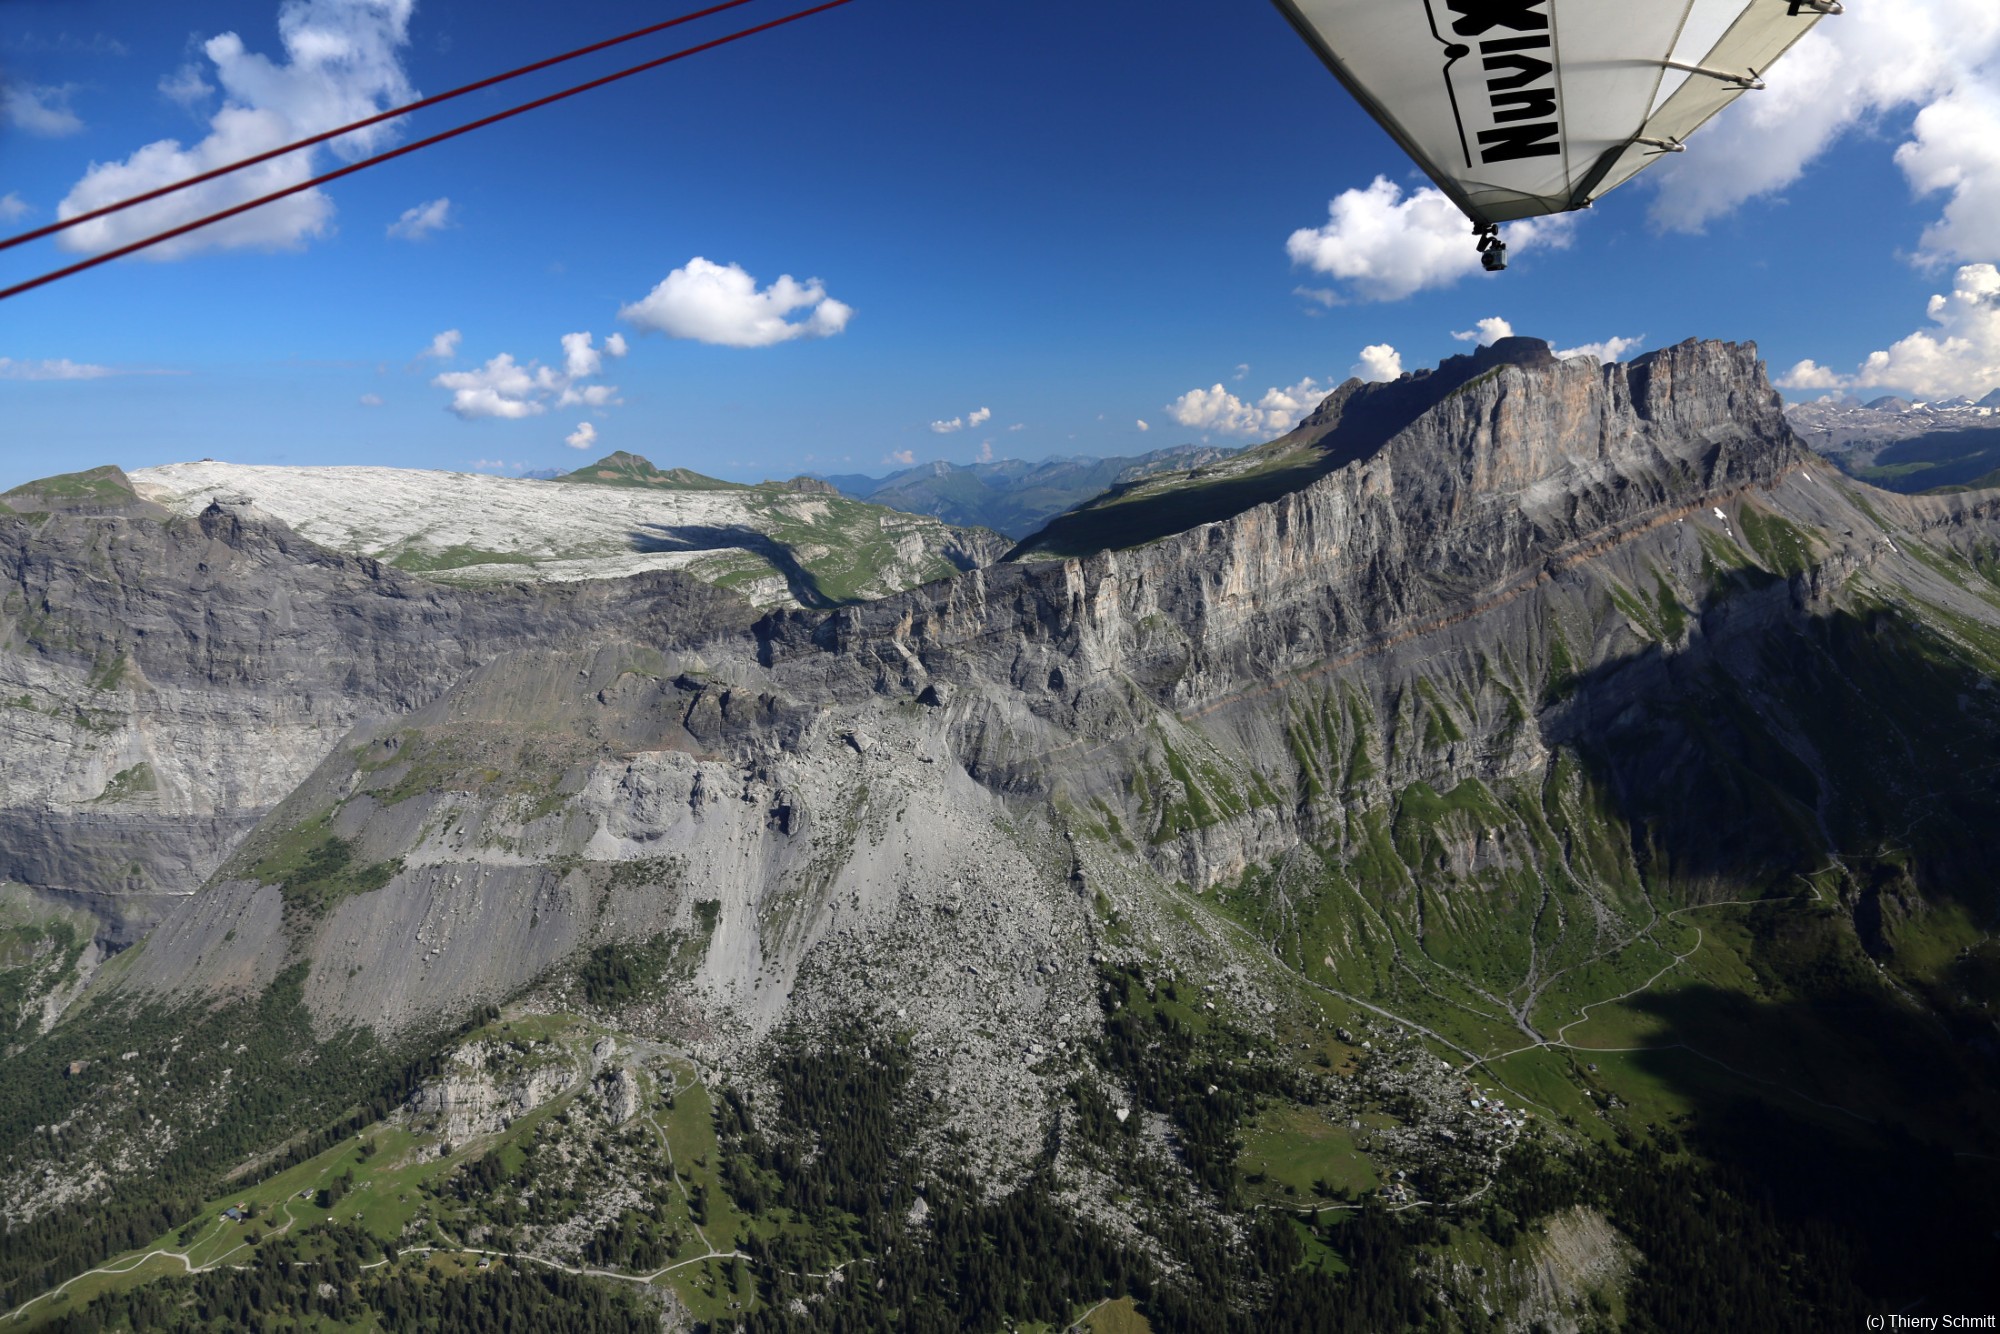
[(504, 753), (940, 805), (164, 681), (1440, 491)]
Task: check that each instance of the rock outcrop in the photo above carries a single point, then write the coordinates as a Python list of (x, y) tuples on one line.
[(166, 681)]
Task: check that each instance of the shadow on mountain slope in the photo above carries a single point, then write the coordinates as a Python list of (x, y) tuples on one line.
[(1841, 769), (803, 584), (1355, 421), (1937, 460), (1836, 1114)]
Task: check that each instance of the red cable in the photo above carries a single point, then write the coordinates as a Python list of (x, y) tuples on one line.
[(66, 223), (353, 167)]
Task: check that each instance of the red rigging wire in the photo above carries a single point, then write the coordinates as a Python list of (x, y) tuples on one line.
[(66, 223), (408, 148)]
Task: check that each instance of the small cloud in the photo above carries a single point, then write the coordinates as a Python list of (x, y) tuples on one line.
[(1379, 363), (1324, 296), (371, 400), (505, 389), (583, 437), (187, 87), (1018, 426), (444, 347), (63, 369), (1486, 332), (1385, 245), (1809, 374), (1216, 409), (589, 396), (1608, 351), (498, 389), (975, 419), (580, 359), (1242, 369), (722, 305), (985, 454), (1142, 425), (40, 110), (615, 345), (421, 221), (13, 208), (905, 458)]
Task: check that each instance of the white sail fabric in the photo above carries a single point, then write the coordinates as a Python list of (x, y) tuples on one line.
[(1522, 107)]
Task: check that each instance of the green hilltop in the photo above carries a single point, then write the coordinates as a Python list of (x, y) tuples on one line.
[(93, 488), (627, 469)]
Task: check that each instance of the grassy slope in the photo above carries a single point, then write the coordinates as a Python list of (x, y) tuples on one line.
[(104, 485), (830, 549), (396, 1190), (624, 469)]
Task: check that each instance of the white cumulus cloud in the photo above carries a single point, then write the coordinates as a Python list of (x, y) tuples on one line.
[(1960, 356), (973, 420), (721, 304), (40, 110), (1143, 426), (1939, 57), (419, 222), (341, 62), (500, 388), (1608, 351), (1485, 332), (905, 458), (1216, 409), (445, 346), (505, 389), (580, 359), (1809, 374), (1385, 245), (1379, 363), (583, 437)]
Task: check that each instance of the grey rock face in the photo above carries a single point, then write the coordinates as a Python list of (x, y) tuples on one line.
[(1527, 463), (928, 809), (787, 770), (164, 682)]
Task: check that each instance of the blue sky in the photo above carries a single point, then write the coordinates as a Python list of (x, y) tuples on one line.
[(1073, 218)]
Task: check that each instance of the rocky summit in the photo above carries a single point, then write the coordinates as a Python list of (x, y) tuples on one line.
[(1513, 853)]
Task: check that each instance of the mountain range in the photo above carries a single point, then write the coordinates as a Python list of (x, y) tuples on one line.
[(1905, 446), (1513, 853)]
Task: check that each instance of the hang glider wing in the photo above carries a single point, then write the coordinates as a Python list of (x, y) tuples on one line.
[(1523, 107)]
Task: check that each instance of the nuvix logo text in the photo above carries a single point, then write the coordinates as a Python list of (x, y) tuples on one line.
[(1515, 80)]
